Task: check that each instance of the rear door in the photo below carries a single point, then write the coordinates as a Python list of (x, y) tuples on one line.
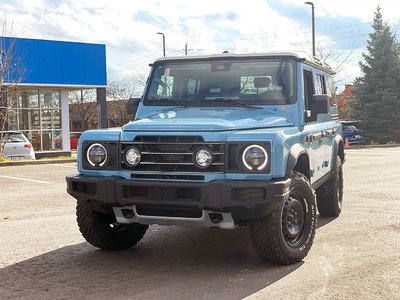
[(328, 127)]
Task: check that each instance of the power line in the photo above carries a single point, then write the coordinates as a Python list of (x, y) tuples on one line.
[(144, 59)]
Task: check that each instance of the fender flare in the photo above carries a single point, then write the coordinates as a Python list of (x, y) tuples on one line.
[(294, 153), (337, 151)]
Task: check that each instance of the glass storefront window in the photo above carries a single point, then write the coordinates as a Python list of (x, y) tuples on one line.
[(51, 118), (37, 113), (34, 138), (29, 99), (49, 99), (12, 120), (51, 140), (12, 98), (29, 119)]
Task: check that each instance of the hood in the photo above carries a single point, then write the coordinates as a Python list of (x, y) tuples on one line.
[(209, 119)]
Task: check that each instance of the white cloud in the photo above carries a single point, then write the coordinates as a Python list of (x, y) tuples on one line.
[(128, 28), (362, 9)]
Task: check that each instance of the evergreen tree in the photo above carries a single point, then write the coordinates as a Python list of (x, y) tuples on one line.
[(378, 90)]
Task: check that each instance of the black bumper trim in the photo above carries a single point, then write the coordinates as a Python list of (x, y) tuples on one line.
[(111, 191)]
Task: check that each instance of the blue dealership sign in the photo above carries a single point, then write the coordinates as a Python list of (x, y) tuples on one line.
[(61, 63)]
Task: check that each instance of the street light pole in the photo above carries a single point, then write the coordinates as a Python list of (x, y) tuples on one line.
[(313, 26), (163, 42)]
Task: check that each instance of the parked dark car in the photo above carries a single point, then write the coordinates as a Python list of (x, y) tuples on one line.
[(352, 133)]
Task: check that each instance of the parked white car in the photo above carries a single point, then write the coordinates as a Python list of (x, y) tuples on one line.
[(17, 147)]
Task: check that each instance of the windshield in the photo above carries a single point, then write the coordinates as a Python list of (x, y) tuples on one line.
[(218, 82)]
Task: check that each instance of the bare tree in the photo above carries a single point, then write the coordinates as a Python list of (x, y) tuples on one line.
[(12, 72), (119, 91), (335, 58), (83, 103)]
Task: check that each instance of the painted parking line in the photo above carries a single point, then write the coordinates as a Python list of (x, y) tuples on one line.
[(24, 179), (65, 166)]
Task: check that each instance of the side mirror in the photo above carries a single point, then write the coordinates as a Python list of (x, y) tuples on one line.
[(132, 105), (320, 105)]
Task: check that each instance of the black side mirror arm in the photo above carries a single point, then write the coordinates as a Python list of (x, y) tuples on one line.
[(132, 105)]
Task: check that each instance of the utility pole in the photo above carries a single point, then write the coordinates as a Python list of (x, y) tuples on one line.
[(313, 26), (186, 49), (163, 41)]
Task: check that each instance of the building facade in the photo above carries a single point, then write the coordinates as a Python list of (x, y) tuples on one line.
[(38, 104)]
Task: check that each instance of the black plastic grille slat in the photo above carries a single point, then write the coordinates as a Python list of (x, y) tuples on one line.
[(163, 176), (174, 154)]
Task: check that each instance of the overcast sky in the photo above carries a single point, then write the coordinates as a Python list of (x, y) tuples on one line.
[(128, 28)]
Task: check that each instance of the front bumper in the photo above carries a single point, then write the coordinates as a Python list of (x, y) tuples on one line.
[(244, 200), (20, 156)]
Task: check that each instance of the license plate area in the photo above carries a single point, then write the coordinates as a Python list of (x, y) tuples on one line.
[(15, 157)]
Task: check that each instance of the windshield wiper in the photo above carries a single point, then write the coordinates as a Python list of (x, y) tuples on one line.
[(231, 100), (177, 102)]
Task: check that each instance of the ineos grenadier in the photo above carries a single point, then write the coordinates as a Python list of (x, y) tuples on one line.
[(218, 141)]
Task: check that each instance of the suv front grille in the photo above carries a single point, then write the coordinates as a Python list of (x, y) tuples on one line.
[(174, 154)]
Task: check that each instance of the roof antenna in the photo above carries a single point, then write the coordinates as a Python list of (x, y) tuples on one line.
[(226, 51)]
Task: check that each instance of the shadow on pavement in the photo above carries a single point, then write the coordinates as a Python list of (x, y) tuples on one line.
[(322, 221), (174, 263)]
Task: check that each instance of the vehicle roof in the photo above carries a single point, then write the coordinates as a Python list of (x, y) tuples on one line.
[(298, 56)]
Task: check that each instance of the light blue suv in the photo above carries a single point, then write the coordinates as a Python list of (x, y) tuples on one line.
[(218, 141)]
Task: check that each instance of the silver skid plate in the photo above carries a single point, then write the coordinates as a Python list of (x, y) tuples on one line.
[(205, 221)]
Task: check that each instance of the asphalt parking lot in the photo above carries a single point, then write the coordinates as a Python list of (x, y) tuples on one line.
[(355, 256)]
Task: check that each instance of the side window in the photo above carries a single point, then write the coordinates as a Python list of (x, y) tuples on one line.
[(308, 88), (332, 91), (320, 87)]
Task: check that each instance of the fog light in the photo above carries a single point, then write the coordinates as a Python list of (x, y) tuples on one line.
[(133, 156), (203, 158)]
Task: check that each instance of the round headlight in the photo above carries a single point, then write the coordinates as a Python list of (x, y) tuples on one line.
[(96, 155), (203, 158), (133, 156), (255, 157)]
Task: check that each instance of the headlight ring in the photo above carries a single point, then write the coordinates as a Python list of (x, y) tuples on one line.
[(255, 157), (96, 155)]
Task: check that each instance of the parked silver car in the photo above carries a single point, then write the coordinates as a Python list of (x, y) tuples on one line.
[(17, 146)]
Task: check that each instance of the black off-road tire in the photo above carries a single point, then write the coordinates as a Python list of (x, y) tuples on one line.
[(330, 194), (270, 235), (102, 230)]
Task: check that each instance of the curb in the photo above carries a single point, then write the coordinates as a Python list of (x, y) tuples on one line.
[(36, 162), (373, 146)]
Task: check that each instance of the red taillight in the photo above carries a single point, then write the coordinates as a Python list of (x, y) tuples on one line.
[(29, 146)]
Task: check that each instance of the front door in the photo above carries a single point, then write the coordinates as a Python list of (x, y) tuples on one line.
[(315, 138)]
